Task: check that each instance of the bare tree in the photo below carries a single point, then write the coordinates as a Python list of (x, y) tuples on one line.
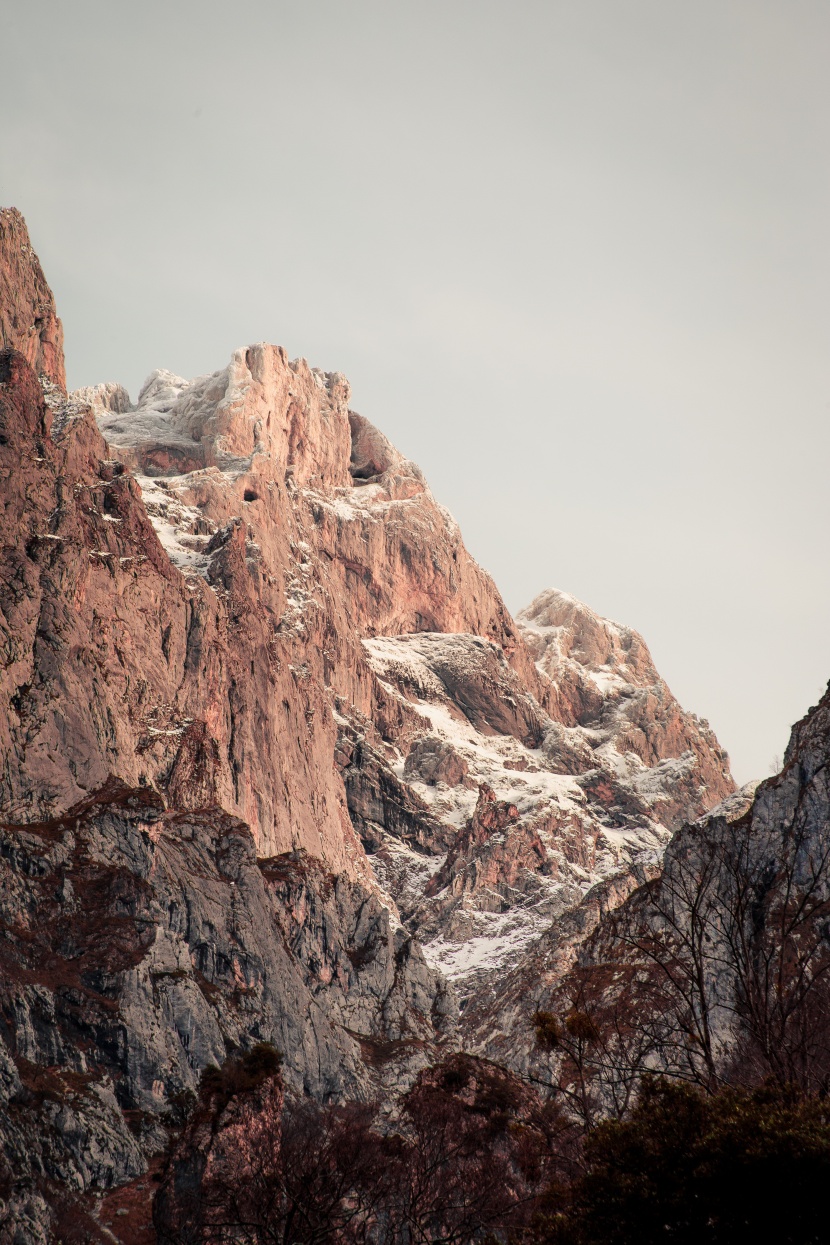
[(600, 1044), (778, 949), (462, 1158), (717, 972), (473, 1149), (298, 1177)]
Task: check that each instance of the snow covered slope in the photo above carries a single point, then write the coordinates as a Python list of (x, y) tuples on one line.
[(522, 815)]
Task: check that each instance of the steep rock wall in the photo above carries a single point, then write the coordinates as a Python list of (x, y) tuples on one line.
[(28, 320)]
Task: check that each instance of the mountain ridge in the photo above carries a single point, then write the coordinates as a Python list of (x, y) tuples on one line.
[(278, 763)]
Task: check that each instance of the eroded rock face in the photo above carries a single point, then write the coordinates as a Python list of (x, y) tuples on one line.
[(120, 662), (591, 815), (433, 760)]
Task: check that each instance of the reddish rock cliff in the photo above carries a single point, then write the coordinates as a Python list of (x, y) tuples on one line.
[(28, 320)]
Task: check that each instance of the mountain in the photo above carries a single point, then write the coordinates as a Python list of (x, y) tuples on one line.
[(278, 765), (715, 972)]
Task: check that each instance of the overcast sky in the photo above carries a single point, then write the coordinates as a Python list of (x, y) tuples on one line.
[(573, 257)]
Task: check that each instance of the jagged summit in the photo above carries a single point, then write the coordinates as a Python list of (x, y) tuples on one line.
[(606, 676)]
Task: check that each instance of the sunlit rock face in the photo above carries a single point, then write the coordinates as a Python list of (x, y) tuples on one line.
[(28, 321), (222, 561), (271, 731)]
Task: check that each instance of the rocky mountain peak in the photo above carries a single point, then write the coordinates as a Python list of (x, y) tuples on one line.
[(609, 686), (263, 714)]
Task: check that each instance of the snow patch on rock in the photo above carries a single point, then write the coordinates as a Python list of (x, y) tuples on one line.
[(176, 525), (504, 893)]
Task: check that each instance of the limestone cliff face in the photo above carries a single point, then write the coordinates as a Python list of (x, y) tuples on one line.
[(140, 945), (275, 757), (149, 943), (28, 320)]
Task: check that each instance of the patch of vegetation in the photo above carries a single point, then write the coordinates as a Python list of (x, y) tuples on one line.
[(240, 1074)]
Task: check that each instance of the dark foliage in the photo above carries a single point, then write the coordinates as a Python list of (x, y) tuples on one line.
[(463, 1160), (472, 1154), (300, 1178), (239, 1075), (735, 1168), (473, 1148)]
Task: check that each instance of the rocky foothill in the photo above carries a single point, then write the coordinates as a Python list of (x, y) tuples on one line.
[(278, 766)]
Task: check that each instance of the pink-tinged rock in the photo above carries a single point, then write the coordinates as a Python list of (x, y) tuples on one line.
[(28, 320)]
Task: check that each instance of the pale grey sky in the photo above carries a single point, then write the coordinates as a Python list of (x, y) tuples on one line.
[(573, 257)]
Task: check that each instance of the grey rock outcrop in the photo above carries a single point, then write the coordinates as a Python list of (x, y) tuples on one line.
[(716, 969), (433, 760), (140, 946)]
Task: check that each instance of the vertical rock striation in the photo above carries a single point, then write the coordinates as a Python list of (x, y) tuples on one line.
[(29, 322)]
